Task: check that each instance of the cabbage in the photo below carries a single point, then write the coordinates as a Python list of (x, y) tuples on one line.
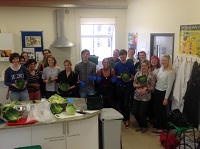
[(11, 114), (125, 76), (49, 80), (57, 99), (20, 83), (10, 105), (71, 109), (142, 79), (56, 108), (64, 86)]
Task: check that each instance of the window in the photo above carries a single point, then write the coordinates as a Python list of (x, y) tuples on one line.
[(98, 38)]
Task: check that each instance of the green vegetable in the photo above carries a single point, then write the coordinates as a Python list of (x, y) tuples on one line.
[(56, 108), (49, 80), (11, 114), (20, 83), (57, 99), (64, 85), (125, 76), (112, 64), (71, 109), (10, 105), (142, 79)]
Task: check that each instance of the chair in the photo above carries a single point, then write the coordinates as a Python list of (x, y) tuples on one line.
[(180, 131), (30, 147)]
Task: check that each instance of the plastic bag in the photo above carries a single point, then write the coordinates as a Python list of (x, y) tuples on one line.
[(42, 113)]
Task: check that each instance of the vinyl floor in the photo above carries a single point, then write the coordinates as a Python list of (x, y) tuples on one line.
[(137, 140)]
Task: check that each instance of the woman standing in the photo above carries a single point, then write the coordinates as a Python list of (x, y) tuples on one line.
[(33, 84), (50, 75), (141, 57), (155, 64), (165, 81), (105, 84), (14, 73), (69, 76), (144, 82)]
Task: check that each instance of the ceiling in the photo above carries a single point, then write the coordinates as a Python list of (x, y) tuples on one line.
[(66, 3)]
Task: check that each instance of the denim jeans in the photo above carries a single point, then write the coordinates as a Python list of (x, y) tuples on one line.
[(19, 96)]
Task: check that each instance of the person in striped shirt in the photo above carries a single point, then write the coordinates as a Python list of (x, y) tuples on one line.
[(33, 84)]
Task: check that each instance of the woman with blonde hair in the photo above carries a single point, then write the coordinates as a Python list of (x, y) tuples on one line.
[(142, 95), (165, 81), (70, 77)]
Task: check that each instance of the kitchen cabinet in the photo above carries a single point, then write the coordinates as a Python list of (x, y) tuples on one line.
[(82, 134), (18, 137), (69, 133), (49, 136)]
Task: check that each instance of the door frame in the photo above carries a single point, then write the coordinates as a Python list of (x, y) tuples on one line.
[(152, 35)]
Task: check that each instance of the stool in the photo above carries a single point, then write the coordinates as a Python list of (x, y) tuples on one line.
[(181, 130), (30, 147)]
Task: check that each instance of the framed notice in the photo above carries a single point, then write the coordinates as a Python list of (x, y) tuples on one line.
[(190, 40), (32, 42)]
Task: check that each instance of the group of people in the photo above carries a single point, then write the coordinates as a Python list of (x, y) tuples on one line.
[(127, 95)]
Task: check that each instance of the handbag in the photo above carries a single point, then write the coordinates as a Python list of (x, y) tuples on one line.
[(94, 102), (169, 141), (179, 119)]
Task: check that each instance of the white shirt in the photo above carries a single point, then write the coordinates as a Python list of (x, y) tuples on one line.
[(165, 81)]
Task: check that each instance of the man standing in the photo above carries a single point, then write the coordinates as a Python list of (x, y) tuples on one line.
[(112, 60), (131, 53), (124, 84), (86, 72)]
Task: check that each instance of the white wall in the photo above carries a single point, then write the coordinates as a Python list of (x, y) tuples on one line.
[(16, 19), (161, 16)]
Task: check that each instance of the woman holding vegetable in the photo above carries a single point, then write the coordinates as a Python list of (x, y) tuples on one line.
[(144, 82), (16, 78), (50, 75), (67, 81)]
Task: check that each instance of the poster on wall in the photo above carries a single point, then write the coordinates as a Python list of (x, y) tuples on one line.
[(190, 40), (32, 42), (39, 56), (30, 51), (6, 46), (5, 54), (132, 41)]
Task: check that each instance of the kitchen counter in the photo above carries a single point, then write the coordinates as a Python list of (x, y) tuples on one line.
[(67, 133), (89, 114)]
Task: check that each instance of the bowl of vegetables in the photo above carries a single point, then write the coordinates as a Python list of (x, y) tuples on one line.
[(58, 102)]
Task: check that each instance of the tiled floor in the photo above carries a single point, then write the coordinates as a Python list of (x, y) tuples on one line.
[(137, 140)]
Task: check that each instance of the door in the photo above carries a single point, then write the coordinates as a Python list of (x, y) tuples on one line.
[(162, 43)]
